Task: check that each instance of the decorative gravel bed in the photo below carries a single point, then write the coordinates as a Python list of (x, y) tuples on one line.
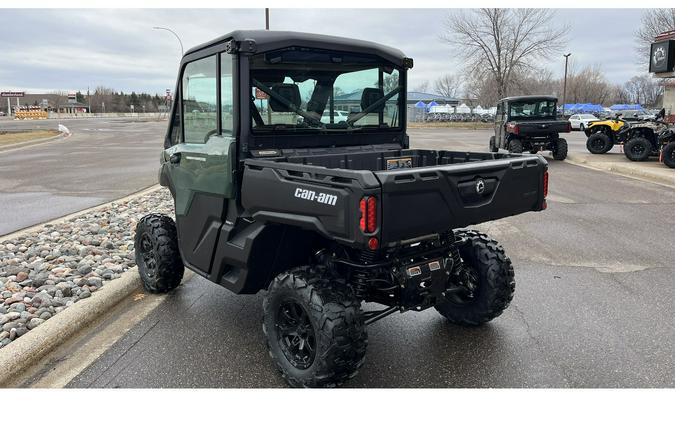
[(48, 270)]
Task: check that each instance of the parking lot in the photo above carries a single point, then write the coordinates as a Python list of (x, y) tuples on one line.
[(592, 307), (104, 159)]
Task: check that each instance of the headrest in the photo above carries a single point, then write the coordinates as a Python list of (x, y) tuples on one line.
[(371, 96), (290, 92)]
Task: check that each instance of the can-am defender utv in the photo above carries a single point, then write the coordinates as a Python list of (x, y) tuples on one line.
[(322, 212), (529, 123)]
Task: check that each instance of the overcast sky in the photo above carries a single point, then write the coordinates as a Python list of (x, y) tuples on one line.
[(45, 50)]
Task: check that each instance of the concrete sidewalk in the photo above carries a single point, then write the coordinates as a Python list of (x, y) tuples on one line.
[(616, 162)]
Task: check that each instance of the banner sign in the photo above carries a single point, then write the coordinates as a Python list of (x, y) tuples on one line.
[(12, 94)]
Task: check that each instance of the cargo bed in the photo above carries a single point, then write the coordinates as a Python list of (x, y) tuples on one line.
[(419, 192)]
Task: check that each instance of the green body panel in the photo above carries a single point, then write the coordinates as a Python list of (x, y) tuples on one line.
[(205, 168)]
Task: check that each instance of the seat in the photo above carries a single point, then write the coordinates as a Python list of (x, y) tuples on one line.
[(369, 97), (290, 92)]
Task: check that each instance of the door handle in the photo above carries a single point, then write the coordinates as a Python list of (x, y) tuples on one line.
[(175, 158)]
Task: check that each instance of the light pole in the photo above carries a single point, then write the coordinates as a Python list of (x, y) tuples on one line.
[(565, 83), (267, 18), (175, 35)]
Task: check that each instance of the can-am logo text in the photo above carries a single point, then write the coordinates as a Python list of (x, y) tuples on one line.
[(310, 195)]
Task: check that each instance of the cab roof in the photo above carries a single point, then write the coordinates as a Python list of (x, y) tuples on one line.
[(529, 97), (274, 40)]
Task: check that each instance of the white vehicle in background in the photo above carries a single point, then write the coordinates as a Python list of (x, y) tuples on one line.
[(338, 116), (581, 121)]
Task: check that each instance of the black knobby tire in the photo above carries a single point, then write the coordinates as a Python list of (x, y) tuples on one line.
[(494, 277), (334, 314), (515, 146), (157, 256), (669, 155), (559, 149), (493, 146), (598, 143), (637, 149)]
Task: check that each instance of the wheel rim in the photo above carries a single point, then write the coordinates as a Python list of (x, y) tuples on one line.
[(598, 144), (295, 334), (672, 154), (148, 255), (637, 149)]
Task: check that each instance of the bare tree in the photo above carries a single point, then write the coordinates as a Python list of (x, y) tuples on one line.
[(497, 43), (448, 85), (643, 90), (654, 21), (422, 87), (588, 86)]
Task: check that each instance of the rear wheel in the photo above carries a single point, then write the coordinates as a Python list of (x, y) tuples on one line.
[(489, 280), (559, 149), (314, 328), (516, 146), (669, 155), (637, 149), (157, 256), (598, 143)]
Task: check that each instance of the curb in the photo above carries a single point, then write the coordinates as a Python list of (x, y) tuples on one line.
[(32, 142), (28, 349), (625, 169)]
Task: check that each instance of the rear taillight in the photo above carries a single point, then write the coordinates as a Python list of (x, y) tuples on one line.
[(372, 214), (368, 208), (545, 184)]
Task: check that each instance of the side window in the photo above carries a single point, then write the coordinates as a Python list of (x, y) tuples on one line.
[(175, 127), (198, 98), (226, 93)]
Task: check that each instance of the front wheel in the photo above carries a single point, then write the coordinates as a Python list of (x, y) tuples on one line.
[(637, 149), (314, 328), (598, 143), (668, 155), (488, 273), (559, 149), (156, 250)]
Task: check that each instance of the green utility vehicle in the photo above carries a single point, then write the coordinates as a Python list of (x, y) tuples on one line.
[(529, 123), (276, 191)]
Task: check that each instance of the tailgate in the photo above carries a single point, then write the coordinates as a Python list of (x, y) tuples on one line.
[(422, 201), (543, 128)]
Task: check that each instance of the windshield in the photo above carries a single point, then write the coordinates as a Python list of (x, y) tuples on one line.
[(317, 90), (532, 109)]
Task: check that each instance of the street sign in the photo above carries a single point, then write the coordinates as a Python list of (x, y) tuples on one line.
[(260, 94), (12, 94)]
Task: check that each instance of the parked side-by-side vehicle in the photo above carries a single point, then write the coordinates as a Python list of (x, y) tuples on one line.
[(529, 123), (325, 214)]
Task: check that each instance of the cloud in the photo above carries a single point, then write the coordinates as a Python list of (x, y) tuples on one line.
[(79, 48)]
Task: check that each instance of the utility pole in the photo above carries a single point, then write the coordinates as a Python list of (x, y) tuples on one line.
[(267, 18), (565, 83)]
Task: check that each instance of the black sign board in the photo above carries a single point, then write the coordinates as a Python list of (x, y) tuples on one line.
[(11, 94), (662, 57)]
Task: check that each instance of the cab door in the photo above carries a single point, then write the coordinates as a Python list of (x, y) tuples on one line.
[(200, 163)]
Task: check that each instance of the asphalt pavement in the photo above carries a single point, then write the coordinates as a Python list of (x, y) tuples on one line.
[(103, 160), (593, 306)]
